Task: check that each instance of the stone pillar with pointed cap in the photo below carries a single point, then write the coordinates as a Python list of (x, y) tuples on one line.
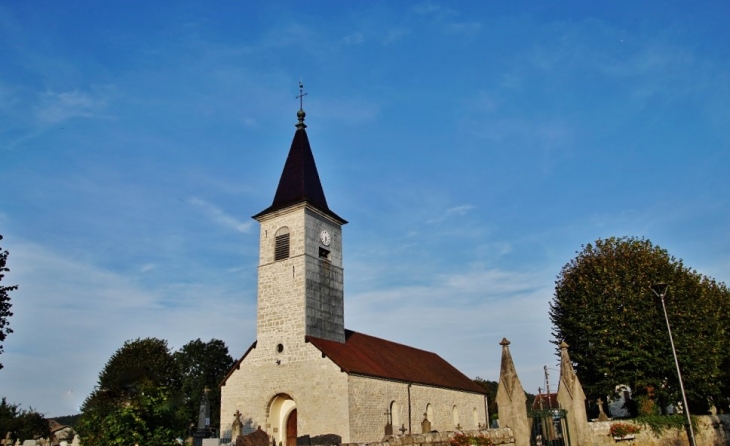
[(572, 399), (511, 399)]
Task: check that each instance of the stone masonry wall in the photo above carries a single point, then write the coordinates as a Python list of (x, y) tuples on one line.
[(712, 430), (370, 398), (443, 402), (325, 310), (498, 437), (316, 384), (281, 284), (304, 294)]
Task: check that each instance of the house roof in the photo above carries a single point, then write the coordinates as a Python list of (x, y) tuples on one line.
[(361, 354), (55, 426), (299, 180)]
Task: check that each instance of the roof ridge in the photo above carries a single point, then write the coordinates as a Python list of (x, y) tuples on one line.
[(392, 342)]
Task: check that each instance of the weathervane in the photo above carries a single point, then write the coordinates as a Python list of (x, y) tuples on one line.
[(301, 95), (300, 113)]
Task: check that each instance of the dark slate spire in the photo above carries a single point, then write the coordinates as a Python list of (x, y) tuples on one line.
[(299, 180)]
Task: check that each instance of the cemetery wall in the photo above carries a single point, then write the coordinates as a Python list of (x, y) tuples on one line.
[(498, 436), (712, 430)]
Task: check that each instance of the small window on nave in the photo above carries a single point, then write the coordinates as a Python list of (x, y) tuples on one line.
[(281, 248), (395, 415)]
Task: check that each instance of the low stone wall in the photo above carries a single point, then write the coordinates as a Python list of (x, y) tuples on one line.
[(498, 436), (712, 430)]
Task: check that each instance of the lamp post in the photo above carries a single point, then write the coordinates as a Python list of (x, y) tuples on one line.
[(660, 289)]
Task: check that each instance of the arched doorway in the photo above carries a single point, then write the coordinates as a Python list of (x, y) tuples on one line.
[(291, 429), (283, 419)]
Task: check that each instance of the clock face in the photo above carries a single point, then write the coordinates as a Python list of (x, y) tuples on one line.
[(324, 237)]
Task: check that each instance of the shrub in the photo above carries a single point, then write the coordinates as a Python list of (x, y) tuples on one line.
[(624, 429), (470, 440)]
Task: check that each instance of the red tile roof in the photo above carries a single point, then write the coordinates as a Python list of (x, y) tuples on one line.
[(370, 356)]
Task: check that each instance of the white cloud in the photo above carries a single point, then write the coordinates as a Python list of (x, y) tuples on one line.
[(429, 8), (354, 39), (57, 107), (394, 35), (218, 216), (463, 27), (460, 210), (71, 315), (445, 17), (463, 316)]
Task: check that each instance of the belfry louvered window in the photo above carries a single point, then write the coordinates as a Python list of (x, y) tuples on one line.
[(281, 249)]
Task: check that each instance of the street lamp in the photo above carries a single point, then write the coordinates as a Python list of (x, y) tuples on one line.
[(660, 289)]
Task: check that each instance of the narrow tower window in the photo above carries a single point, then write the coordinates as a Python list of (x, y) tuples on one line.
[(281, 250)]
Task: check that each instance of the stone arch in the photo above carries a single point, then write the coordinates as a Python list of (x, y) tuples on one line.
[(475, 417), (281, 408), (429, 413), (455, 416)]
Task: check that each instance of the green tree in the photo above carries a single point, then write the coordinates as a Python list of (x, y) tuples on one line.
[(137, 398), (22, 424), (203, 365), (491, 388), (604, 309), (68, 420), (4, 300), (150, 419)]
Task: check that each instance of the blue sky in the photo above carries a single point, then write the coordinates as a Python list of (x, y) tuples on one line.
[(473, 146)]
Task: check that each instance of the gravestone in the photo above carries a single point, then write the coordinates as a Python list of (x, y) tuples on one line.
[(255, 438), (425, 424), (601, 414), (237, 428), (323, 440), (617, 407)]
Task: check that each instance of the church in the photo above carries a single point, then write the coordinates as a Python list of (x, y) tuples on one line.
[(305, 374)]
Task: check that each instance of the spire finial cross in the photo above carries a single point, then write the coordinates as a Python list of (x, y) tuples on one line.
[(301, 114), (301, 95)]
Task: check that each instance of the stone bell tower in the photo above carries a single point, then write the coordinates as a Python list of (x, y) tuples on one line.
[(300, 276)]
